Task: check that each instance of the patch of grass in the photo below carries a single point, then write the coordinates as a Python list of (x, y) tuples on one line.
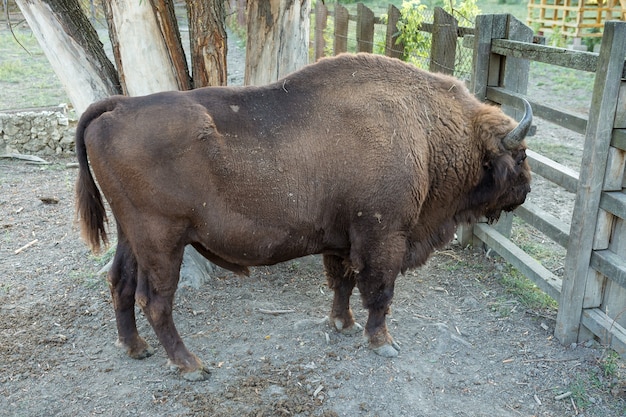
[(26, 77), (562, 153), (531, 296), (610, 364), (105, 257)]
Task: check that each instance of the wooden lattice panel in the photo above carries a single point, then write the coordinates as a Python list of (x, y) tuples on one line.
[(574, 18)]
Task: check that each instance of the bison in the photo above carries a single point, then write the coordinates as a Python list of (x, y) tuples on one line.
[(364, 159)]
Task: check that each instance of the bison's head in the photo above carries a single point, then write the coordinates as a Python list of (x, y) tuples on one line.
[(505, 178)]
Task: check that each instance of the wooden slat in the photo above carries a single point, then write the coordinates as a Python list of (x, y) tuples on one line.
[(597, 142), (364, 29), (560, 117), (392, 48), (619, 139), (545, 222), (610, 264), (443, 46), (583, 61), (341, 29), (527, 265), (609, 332), (553, 171), (321, 18), (486, 65), (614, 202)]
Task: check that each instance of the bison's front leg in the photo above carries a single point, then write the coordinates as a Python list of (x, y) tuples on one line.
[(342, 281), (376, 280), (377, 292), (157, 304), (122, 279)]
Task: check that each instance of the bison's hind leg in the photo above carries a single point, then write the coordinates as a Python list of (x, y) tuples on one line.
[(122, 279), (157, 279), (342, 281)]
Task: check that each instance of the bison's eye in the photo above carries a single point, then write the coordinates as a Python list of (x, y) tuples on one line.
[(521, 158)]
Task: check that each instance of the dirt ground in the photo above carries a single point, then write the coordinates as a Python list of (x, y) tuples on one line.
[(469, 346)]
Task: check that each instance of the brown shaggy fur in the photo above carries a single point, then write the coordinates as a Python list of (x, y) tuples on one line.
[(364, 159)]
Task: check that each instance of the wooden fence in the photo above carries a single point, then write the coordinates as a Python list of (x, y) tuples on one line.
[(444, 29), (592, 292)]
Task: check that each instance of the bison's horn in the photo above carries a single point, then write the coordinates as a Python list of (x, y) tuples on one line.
[(515, 136)]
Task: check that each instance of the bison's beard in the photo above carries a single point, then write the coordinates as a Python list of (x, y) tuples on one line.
[(508, 202)]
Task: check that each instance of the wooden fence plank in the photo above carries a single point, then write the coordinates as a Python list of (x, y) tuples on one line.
[(342, 21), (609, 332), (597, 142), (443, 46), (614, 295), (562, 118), (516, 69), (614, 202), (551, 226), (392, 47), (321, 18), (619, 139), (553, 171), (364, 29), (583, 61), (527, 265), (610, 264)]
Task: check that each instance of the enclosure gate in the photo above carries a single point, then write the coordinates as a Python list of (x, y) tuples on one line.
[(592, 294)]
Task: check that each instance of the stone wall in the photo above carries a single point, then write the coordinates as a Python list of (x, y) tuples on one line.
[(48, 131)]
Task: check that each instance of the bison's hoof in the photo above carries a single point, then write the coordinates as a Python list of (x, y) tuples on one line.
[(201, 374), (195, 374), (139, 350), (388, 350), (355, 329)]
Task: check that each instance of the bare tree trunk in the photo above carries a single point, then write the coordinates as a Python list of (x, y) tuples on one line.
[(208, 42), (142, 57), (166, 19), (73, 49), (278, 39)]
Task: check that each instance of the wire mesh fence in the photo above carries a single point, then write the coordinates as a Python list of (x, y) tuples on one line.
[(351, 40)]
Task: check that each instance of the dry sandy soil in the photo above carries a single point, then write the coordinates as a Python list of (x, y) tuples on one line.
[(469, 346)]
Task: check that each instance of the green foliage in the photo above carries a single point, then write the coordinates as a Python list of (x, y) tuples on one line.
[(527, 292), (416, 42), (465, 11)]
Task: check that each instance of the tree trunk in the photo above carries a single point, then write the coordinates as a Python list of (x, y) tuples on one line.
[(144, 62), (73, 49), (208, 42), (278, 39)]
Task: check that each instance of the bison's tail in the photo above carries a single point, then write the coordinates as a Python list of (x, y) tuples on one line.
[(89, 206)]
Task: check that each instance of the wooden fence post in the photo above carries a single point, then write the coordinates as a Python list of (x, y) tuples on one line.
[(321, 17), (590, 184), (514, 78), (364, 29), (485, 71), (392, 48), (342, 20), (494, 70), (443, 46)]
